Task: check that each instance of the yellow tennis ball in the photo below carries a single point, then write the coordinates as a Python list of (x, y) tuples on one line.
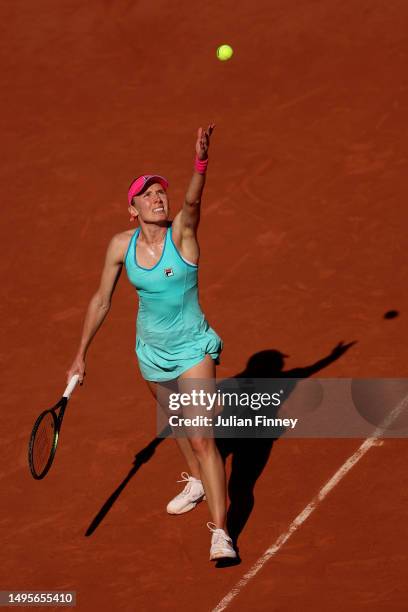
[(224, 53)]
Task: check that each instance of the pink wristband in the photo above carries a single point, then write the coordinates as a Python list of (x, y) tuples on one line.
[(200, 165)]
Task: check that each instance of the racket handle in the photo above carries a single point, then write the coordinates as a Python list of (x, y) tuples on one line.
[(71, 386)]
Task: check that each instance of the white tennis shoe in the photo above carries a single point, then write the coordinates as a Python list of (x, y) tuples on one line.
[(190, 496), (221, 544)]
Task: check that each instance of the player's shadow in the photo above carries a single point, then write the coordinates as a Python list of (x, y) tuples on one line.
[(249, 456), (141, 457)]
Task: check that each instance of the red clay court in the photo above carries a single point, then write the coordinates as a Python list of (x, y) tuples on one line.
[(303, 239)]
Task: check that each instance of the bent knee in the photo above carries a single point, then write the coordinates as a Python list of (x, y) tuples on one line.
[(202, 446)]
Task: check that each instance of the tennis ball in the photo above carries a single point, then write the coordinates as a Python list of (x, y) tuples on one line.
[(224, 53)]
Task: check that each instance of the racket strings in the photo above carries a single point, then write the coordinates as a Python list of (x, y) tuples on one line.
[(43, 443)]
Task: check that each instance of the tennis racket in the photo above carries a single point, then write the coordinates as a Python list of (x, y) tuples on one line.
[(45, 433)]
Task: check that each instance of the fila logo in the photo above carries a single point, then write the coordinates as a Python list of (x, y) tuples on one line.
[(168, 272)]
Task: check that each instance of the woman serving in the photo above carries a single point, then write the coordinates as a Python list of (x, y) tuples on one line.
[(174, 341)]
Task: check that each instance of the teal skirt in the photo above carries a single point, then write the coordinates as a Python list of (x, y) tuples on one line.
[(166, 356)]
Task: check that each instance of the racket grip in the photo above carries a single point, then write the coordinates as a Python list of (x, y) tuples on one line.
[(71, 386)]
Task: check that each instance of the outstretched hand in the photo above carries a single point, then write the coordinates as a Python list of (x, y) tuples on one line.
[(341, 348), (203, 141)]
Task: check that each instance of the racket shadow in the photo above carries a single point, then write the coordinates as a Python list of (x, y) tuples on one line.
[(141, 457)]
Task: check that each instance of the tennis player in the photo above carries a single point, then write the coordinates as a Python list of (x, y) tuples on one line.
[(174, 341)]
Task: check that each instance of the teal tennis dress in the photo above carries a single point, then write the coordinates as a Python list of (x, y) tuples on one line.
[(172, 333)]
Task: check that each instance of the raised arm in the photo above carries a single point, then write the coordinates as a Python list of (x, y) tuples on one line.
[(307, 371), (99, 304), (187, 220)]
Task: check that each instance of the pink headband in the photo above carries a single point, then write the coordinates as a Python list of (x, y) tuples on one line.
[(138, 185)]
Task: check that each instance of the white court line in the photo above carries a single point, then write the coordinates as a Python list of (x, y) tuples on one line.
[(306, 512)]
